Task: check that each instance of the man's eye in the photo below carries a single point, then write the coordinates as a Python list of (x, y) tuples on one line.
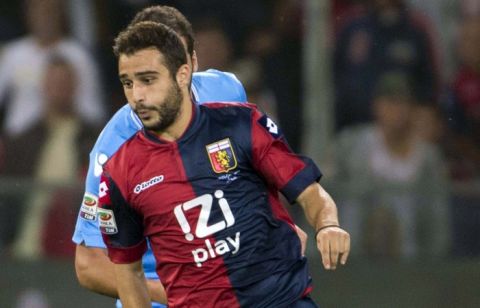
[(127, 84), (148, 80)]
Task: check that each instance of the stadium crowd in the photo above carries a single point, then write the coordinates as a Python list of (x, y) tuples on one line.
[(405, 167)]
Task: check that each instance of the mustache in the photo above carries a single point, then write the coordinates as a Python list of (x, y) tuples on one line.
[(141, 107)]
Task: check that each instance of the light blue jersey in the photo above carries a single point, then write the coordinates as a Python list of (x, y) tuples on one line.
[(208, 86)]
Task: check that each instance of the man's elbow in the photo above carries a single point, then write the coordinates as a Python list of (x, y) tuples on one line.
[(84, 266), (81, 267)]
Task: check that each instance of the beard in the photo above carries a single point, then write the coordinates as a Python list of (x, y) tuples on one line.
[(165, 113)]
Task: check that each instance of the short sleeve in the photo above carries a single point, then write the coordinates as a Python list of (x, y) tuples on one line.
[(121, 226)]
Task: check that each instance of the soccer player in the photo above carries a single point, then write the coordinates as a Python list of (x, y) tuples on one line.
[(201, 182), (206, 86), (90, 256)]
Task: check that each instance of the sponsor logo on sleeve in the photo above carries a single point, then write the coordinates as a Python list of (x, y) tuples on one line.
[(103, 189), (100, 160), (88, 210), (270, 126), (103, 192), (106, 221), (221, 155)]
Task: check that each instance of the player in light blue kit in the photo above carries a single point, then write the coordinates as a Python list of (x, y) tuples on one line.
[(94, 270)]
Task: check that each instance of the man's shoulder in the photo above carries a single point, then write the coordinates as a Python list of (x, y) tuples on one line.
[(18, 47), (213, 85), (229, 108), (125, 151), (121, 127), (216, 75), (238, 116)]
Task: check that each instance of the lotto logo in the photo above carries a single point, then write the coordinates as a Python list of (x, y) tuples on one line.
[(103, 189), (270, 126)]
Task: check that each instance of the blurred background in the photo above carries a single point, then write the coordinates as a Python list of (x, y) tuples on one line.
[(383, 94)]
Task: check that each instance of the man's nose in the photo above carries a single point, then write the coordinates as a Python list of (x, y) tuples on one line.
[(138, 93)]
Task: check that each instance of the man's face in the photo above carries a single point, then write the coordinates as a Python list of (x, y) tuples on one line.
[(393, 113), (59, 76), (151, 91)]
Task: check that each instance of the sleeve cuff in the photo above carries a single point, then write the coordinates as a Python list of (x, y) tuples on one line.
[(90, 240), (300, 181), (127, 255)]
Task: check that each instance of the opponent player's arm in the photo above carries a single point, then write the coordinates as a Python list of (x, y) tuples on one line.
[(88, 261), (122, 231), (132, 285), (321, 212)]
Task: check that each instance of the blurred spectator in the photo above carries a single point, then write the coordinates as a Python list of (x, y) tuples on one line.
[(469, 7), (234, 16), (464, 141), (250, 72), (23, 63), (52, 152), (429, 124), (443, 15), (345, 10), (277, 45), (213, 46), (464, 107), (392, 188), (9, 21), (388, 37)]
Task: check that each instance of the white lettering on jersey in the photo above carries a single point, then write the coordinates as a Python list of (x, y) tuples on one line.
[(220, 247), (203, 230), (147, 184)]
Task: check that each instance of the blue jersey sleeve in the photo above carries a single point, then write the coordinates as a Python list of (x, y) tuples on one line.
[(217, 86), (123, 125)]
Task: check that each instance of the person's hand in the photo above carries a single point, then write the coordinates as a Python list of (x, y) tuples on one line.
[(334, 245), (303, 239)]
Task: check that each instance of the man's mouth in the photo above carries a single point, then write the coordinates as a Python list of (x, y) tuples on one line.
[(144, 114)]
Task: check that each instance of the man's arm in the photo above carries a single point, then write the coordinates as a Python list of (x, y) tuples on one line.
[(87, 262), (132, 285), (321, 212)]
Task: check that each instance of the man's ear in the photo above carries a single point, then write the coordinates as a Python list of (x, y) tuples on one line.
[(194, 61), (183, 75)]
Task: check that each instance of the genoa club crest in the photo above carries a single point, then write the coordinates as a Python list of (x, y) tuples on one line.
[(221, 156)]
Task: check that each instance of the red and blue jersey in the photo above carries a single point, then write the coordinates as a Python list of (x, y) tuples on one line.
[(208, 204), (207, 86)]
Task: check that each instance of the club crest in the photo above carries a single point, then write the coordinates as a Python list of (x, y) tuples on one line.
[(221, 156)]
